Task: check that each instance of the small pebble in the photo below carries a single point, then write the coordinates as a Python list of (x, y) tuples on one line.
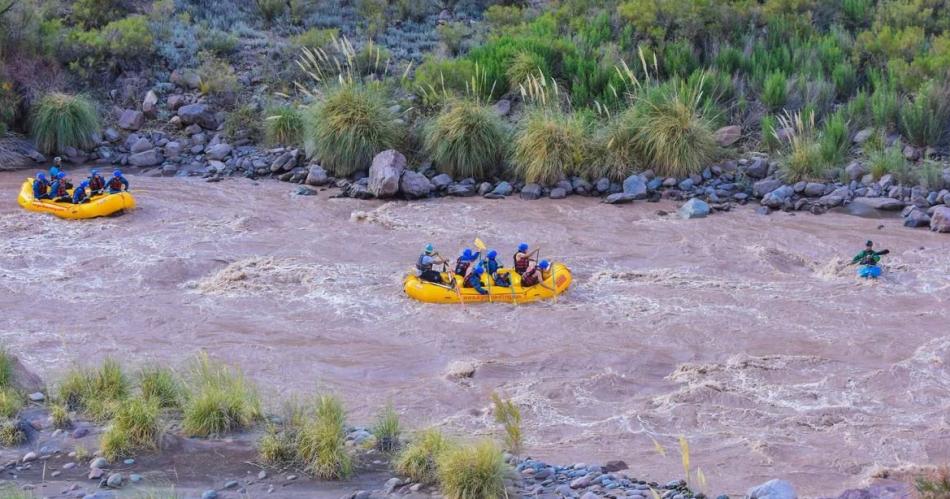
[(99, 462), (55, 474), (29, 456), (231, 484), (129, 461), (291, 477), (69, 466), (134, 477)]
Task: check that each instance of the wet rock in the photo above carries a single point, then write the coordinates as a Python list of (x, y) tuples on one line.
[(131, 119), (686, 185), (602, 185), (531, 192), (880, 203), (728, 135), (694, 208), (151, 157), (135, 478), (304, 191), (940, 219), (759, 168), (777, 197), (415, 185), (773, 489), (636, 186), (231, 484), (150, 104), (558, 193), (317, 176), (502, 189), (385, 172), (391, 485), (218, 151), (484, 188), (198, 114), (581, 186), (441, 181), (285, 162), (186, 78), (619, 198)]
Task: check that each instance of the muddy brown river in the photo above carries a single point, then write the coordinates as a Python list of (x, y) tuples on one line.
[(746, 334)]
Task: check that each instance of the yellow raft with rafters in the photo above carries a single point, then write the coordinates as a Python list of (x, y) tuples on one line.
[(101, 205), (556, 281)]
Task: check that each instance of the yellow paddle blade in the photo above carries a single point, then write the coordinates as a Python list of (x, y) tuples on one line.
[(480, 245)]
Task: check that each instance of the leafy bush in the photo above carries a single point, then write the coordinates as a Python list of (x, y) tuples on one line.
[(835, 139), (161, 385), (549, 146), (219, 42), (620, 146), (500, 16), (321, 444), (220, 400), (476, 470), (774, 91), (418, 460), (888, 161), (387, 430), (94, 13), (98, 392), (61, 121), (11, 434), (884, 107), (134, 428), (452, 35), (508, 415), (270, 10), (217, 76), (769, 131), (803, 159), (316, 38), (348, 128), (284, 125), (10, 402), (674, 134), (466, 140), (243, 123), (924, 119)]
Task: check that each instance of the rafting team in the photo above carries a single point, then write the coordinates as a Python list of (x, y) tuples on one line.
[(56, 187), (472, 265)]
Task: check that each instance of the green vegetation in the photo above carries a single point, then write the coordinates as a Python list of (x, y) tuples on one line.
[(508, 415), (10, 402), (243, 123), (349, 127), (387, 430), (6, 368), (549, 146), (934, 485), (10, 433), (161, 385), (466, 139), (321, 444), (134, 428), (418, 460), (889, 161), (803, 156), (476, 470), (98, 392), (220, 400), (217, 77), (59, 413), (62, 121), (284, 125)]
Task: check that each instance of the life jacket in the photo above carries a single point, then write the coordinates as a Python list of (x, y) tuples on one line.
[(40, 188), (96, 183), (423, 267), (521, 264), (492, 266), (79, 195), (115, 184), (60, 189), (529, 279), (461, 266)]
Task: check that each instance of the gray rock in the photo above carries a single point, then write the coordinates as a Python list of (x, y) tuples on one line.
[(531, 192), (150, 104), (580, 482), (686, 185), (636, 186), (773, 489), (151, 157), (728, 135), (305, 191), (198, 114), (385, 173), (261, 475), (111, 135), (558, 193), (415, 185), (231, 484), (886, 181), (99, 462), (863, 135), (581, 186), (694, 208), (602, 185), (186, 78), (80, 433), (317, 176), (503, 189), (135, 478), (172, 150), (502, 107), (462, 190), (777, 197), (209, 494), (855, 170), (175, 101), (940, 219), (619, 198), (29, 457), (880, 203), (763, 187), (814, 189), (285, 162), (131, 119), (218, 151), (194, 130), (759, 168), (96, 473), (37, 397), (115, 480), (441, 181), (391, 485), (911, 153), (141, 145), (916, 217)]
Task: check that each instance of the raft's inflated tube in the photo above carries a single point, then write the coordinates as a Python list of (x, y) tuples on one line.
[(98, 206), (869, 271), (556, 281)]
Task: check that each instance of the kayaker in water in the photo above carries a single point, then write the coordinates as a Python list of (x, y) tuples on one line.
[(427, 260), (96, 183), (474, 280), (80, 195), (41, 187), (869, 256), (117, 183), (491, 264), (58, 190)]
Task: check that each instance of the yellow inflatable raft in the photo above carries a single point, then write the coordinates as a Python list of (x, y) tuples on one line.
[(98, 206), (556, 281)]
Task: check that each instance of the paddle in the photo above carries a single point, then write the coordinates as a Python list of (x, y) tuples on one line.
[(481, 249)]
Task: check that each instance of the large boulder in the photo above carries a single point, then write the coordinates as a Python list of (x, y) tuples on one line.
[(835, 198), (461, 189), (881, 203), (855, 170), (140, 145), (531, 192), (915, 217), (173, 150), (218, 151), (502, 189), (150, 104), (814, 189), (198, 114), (777, 197), (694, 208), (317, 176), (759, 168), (385, 172), (441, 181), (285, 162), (773, 489), (131, 119), (728, 135), (940, 220), (186, 78), (763, 187), (150, 157), (415, 185), (635, 186)]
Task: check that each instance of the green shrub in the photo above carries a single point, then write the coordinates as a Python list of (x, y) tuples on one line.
[(94, 13), (134, 428), (10, 402), (373, 13), (674, 134), (6, 368), (418, 460), (549, 146), (500, 16), (930, 176), (888, 161), (61, 121), (322, 442), (803, 159), (348, 128), (466, 140), (243, 123), (10, 434), (775, 90), (525, 65), (219, 42), (59, 413), (129, 37), (884, 107), (161, 385), (387, 430), (508, 415), (98, 392), (453, 35), (316, 38), (473, 471), (924, 120), (835, 139), (769, 131), (217, 76), (277, 447), (416, 10), (620, 146), (284, 125), (220, 400), (270, 10)]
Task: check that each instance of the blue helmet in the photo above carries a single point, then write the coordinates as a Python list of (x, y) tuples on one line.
[(467, 254), (544, 264), (117, 173), (523, 247), (93, 172), (61, 174), (84, 184), (40, 176), (53, 172), (478, 270), (492, 254), (429, 249)]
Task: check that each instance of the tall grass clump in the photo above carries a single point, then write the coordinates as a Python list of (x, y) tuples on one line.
[(6, 368), (10, 402), (134, 428), (95, 392), (619, 146), (803, 158), (675, 134), (62, 120), (549, 146), (59, 414), (161, 385), (891, 161), (934, 485), (321, 445), (835, 139), (284, 126), (418, 460), (775, 90), (11, 434), (508, 415), (220, 400), (466, 139), (884, 107), (924, 120), (471, 471), (387, 430), (348, 128)]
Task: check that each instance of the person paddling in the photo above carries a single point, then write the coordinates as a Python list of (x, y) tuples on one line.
[(464, 262), (492, 265), (96, 183), (536, 274), (523, 259), (427, 260), (41, 187), (80, 194), (58, 190), (474, 280), (869, 259), (117, 183)]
